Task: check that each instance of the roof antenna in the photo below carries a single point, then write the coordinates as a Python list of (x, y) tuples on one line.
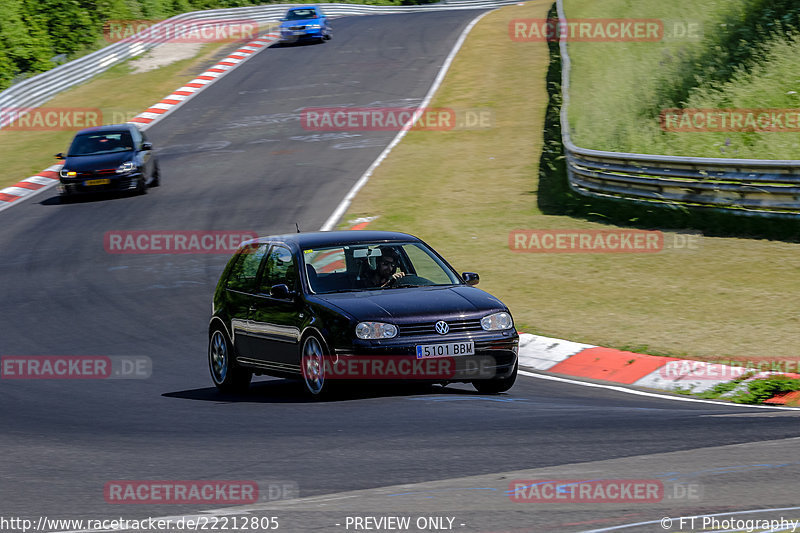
[(296, 225)]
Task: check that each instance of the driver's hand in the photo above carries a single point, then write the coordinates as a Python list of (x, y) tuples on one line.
[(395, 277)]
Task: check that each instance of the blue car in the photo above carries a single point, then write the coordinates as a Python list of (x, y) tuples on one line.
[(303, 24)]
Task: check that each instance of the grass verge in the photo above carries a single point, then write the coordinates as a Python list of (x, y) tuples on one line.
[(741, 54), (463, 191), (755, 391)]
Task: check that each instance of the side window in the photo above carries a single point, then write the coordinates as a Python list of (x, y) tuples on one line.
[(245, 270), (138, 138), (279, 268)]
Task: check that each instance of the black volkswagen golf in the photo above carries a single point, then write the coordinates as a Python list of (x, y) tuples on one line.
[(108, 158), (355, 305)]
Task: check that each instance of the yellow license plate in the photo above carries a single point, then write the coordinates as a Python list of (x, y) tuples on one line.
[(97, 182)]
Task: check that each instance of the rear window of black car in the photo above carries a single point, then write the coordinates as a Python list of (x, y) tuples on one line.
[(244, 272)]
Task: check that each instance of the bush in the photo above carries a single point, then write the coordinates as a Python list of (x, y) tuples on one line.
[(763, 389)]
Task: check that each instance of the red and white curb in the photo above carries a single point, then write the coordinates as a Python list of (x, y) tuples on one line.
[(638, 370), (29, 186), (183, 94), (49, 178)]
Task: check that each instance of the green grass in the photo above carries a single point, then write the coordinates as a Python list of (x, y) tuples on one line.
[(748, 57), (464, 191), (756, 392)]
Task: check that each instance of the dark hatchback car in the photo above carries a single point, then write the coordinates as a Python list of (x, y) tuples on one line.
[(355, 305), (108, 158)]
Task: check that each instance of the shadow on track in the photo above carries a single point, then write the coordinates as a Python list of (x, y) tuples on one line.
[(288, 391), (90, 198)]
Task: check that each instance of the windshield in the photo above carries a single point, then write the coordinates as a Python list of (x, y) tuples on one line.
[(301, 14), (101, 143), (375, 266)]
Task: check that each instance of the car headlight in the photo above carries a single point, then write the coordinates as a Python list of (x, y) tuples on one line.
[(127, 166), (375, 330), (497, 321), (313, 27), (64, 173)]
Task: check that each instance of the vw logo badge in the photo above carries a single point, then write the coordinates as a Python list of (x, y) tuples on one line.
[(442, 327)]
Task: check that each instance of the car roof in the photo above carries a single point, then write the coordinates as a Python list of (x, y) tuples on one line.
[(107, 128), (334, 238)]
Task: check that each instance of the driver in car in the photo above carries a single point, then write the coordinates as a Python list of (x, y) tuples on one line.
[(386, 269)]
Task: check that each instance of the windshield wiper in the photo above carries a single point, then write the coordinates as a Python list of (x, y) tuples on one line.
[(343, 290)]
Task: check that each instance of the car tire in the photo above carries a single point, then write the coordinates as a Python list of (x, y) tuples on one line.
[(495, 386), (312, 365), (225, 373), (141, 186), (155, 181)]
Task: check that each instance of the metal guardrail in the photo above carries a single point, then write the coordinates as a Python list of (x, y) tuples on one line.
[(745, 186), (40, 88)]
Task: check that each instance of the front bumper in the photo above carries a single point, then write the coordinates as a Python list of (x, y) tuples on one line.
[(292, 36), (116, 183), (495, 357)]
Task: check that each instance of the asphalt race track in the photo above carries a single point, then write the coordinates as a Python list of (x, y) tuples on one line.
[(237, 158)]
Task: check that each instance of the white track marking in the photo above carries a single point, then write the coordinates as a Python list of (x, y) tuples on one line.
[(732, 513), (651, 394), (342, 207)]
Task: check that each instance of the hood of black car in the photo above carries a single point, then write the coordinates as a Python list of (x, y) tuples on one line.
[(415, 304), (88, 163)]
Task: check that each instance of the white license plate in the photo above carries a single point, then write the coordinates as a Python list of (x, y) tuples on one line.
[(450, 349)]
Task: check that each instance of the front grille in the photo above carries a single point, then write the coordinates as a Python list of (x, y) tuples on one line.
[(429, 328), (297, 28), (101, 172)]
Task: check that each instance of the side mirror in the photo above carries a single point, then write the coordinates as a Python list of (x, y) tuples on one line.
[(60, 155), (471, 278), (281, 292), (147, 146)]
